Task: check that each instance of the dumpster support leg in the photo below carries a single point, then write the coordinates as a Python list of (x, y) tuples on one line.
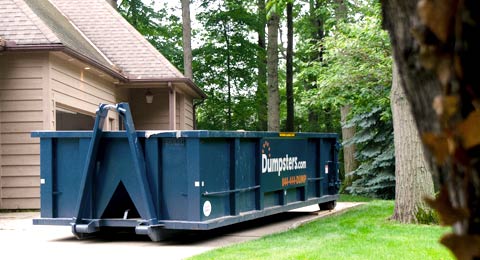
[(144, 200)]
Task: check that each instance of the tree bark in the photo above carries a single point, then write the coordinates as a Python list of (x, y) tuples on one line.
[(187, 39), (289, 81), (349, 162), (413, 180), (272, 74), (340, 10), (261, 93), (436, 51)]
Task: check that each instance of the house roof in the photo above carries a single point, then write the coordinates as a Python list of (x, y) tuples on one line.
[(91, 29)]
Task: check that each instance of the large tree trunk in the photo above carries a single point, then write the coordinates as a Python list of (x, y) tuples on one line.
[(289, 82), (272, 74), (261, 94), (413, 180), (437, 57), (187, 39), (349, 162)]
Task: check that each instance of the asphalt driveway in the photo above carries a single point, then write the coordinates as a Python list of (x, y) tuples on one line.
[(19, 239)]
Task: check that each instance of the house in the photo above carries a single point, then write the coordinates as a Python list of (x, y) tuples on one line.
[(58, 60)]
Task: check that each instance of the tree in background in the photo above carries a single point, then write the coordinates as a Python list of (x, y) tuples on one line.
[(187, 39), (162, 28), (414, 181), (261, 93), (290, 126), (273, 97), (355, 70), (225, 65), (309, 51)]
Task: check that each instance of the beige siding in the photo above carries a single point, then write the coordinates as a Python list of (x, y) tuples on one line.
[(23, 85), (152, 116), (179, 113), (80, 90), (184, 112), (188, 113)]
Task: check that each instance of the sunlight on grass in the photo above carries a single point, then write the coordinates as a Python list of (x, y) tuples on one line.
[(361, 233)]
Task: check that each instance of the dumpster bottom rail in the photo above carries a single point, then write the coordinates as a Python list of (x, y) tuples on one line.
[(156, 232)]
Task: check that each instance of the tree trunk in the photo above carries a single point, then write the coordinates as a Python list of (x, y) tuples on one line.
[(317, 35), (226, 29), (261, 94), (289, 82), (187, 39), (413, 180), (272, 74), (340, 10), (350, 164), (436, 51)]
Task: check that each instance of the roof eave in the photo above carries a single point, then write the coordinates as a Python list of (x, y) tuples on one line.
[(12, 46), (186, 81)]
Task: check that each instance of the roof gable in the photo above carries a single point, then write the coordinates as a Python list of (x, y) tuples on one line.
[(20, 24), (91, 30), (117, 39), (67, 33)]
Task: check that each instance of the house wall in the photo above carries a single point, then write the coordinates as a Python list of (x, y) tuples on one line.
[(184, 112), (32, 87), (152, 116), (155, 116), (23, 85), (80, 90), (188, 114)]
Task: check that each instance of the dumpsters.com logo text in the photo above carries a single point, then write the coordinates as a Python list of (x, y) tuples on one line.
[(279, 164)]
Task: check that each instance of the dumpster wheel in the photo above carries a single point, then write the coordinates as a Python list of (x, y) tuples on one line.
[(330, 205)]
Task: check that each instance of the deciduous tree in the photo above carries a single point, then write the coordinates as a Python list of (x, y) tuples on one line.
[(413, 179), (187, 39), (273, 98)]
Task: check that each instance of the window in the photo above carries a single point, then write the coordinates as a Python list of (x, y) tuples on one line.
[(71, 120)]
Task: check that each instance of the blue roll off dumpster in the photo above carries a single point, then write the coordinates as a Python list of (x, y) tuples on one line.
[(157, 181)]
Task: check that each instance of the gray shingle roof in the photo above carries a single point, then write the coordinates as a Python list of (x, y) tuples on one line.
[(90, 27), (117, 39), (18, 23)]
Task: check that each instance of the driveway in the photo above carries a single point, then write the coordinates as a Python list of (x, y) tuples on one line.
[(20, 239)]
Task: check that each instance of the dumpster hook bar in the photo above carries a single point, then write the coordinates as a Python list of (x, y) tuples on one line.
[(143, 197), (220, 193)]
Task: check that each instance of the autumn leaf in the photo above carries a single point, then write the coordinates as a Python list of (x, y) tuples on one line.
[(447, 213), (469, 130), (445, 106), (438, 145), (464, 247), (438, 16)]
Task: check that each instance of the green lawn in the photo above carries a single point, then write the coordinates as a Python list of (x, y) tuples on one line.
[(361, 233)]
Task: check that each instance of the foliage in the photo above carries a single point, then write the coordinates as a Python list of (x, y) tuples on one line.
[(225, 65), (161, 27), (351, 65), (356, 60), (426, 216), (375, 177), (361, 233)]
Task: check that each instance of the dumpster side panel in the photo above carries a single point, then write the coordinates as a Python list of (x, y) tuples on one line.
[(315, 174), (174, 187), (245, 177), (215, 167), (69, 156), (328, 164)]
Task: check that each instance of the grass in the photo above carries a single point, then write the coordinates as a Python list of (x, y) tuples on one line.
[(361, 233)]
